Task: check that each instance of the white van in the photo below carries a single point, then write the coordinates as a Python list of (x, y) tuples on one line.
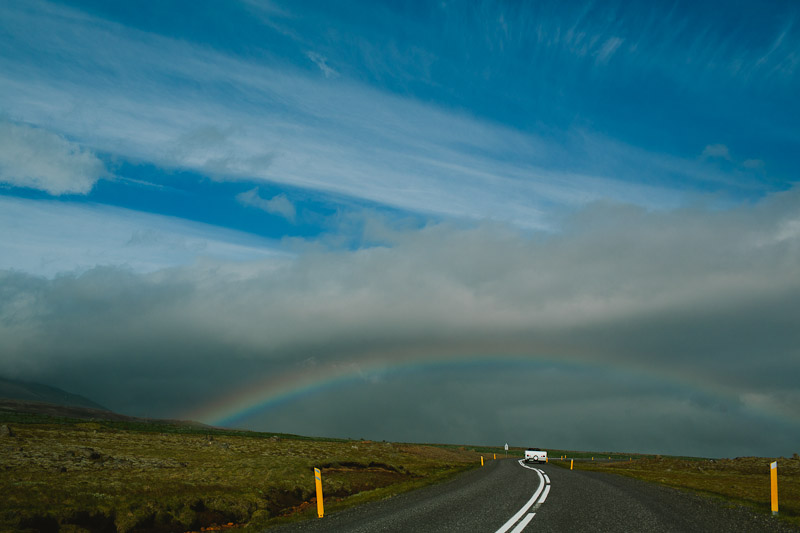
[(535, 455)]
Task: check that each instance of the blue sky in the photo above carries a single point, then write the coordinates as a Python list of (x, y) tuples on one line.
[(198, 142), (475, 110)]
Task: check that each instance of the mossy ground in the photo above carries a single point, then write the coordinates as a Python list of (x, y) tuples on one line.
[(75, 476), (64, 475), (744, 480)]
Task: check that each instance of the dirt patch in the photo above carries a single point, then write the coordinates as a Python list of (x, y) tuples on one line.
[(348, 466), (94, 522), (284, 502)]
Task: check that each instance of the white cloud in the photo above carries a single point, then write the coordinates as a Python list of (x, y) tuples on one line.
[(716, 151), (677, 295), (277, 205), (322, 63), (789, 230), (608, 49), (39, 159), (252, 121), (620, 285), (50, 238), (753, 164)]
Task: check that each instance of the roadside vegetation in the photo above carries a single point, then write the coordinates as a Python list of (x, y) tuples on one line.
[(74, 475), (743, 481), (129, 476)]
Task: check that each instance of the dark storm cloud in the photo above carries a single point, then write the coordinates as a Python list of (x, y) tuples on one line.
[(706, 297), (550, 406)]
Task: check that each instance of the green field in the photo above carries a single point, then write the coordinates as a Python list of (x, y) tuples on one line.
[(741, 481), (73, 475)]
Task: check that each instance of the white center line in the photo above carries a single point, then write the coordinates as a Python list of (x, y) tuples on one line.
[(524, 523), (544, 494), (536, 494)]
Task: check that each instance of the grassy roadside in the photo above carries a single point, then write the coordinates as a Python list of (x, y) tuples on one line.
[(77, 475), (744, 480), (70, 475)]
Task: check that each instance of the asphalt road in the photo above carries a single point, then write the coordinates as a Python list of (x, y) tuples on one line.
[(504, 497)]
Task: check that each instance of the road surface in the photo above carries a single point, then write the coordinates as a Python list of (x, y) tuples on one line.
[(507, 496)]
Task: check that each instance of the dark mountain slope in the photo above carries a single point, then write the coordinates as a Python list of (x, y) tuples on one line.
[(36, 392)]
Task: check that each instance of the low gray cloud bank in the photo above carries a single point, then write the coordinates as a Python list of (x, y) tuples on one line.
[(706, 298)]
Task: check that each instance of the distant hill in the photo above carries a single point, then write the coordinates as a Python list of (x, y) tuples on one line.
[(38, 399), (23, 407), (36, 392)]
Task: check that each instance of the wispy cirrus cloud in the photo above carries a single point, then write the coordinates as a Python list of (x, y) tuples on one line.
[(280, 125), (607, 50), (322, 63), (47, 238), (39, 159), (753, 163), (277, 205), (716, 151)]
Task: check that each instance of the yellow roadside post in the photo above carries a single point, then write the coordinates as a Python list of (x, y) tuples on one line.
[(481, 460), (773, 481), (318, 481), (546, 460), (495, 456), (570, 463)]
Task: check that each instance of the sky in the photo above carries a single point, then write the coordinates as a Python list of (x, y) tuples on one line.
[(557, 224)]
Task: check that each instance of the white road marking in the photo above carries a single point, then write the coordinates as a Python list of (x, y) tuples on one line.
[(536, 494), (524, 523), (544, 494), (538, 498)]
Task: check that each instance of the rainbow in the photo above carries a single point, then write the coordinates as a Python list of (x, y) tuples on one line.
[(274, 390)]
